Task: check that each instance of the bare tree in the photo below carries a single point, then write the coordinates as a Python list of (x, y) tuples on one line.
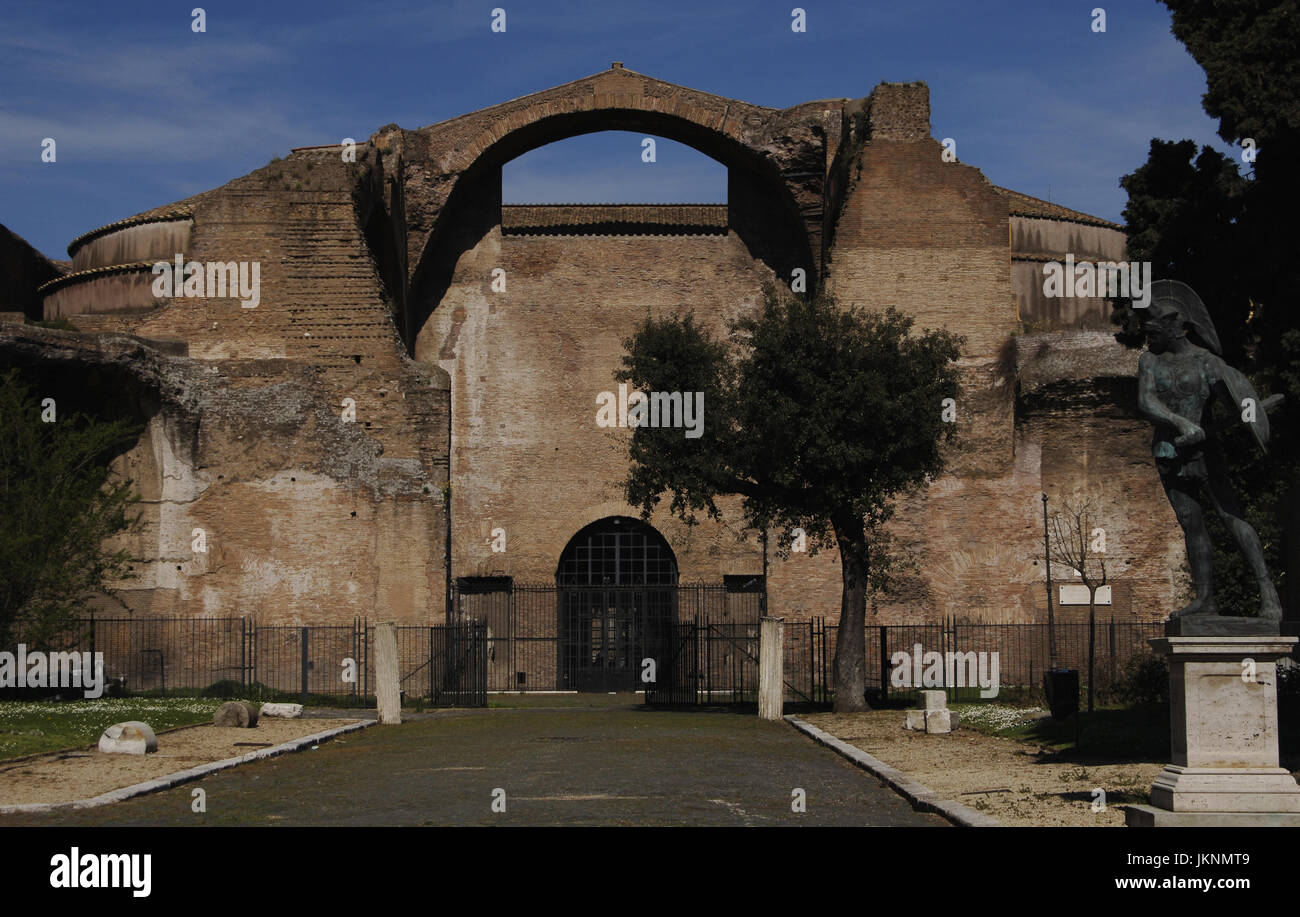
[(1079, 543)]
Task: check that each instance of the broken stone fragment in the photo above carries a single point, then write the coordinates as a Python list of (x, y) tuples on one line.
[(286, 710), (235, 713), (131, 738), (934, 700), (932, 716)]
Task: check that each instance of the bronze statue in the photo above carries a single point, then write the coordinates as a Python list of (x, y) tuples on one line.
[(1176, 376)]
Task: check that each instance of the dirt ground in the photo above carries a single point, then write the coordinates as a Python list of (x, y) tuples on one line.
[(80, 774), (1014, 782)]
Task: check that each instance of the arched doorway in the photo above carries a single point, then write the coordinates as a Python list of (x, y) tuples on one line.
[(617, 589)]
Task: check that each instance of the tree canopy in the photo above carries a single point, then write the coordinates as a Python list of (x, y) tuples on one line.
[(58, 508), (1224, 226), (817, 416)]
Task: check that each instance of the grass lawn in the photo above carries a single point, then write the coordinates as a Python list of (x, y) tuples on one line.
[(29, 727), (1108, 733)]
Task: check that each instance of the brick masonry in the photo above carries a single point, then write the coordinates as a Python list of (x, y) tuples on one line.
[(377, 287)]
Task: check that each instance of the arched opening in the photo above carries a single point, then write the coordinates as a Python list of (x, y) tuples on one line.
[(760, 208), (617, 598), (614, 167)]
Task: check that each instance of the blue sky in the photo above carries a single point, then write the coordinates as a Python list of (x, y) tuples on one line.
[(145, 111)]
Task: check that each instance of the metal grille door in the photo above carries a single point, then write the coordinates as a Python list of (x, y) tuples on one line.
[(617, 592)]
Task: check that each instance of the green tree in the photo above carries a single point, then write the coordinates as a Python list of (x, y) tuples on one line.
[(1225, 227), (57, 509), (1182, 213), (818, 417)]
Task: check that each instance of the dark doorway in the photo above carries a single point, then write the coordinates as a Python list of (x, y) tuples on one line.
[(617, 585)]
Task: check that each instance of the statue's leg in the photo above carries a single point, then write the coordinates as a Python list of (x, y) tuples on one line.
[(1228, 507), (1187, 508)]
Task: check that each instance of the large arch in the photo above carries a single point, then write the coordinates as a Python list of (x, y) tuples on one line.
[(617, 551), (777, 162)]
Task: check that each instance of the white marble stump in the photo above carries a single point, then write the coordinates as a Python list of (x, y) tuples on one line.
[(1224, 736), (933, 716)]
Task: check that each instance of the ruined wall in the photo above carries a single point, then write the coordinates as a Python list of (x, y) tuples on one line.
[(526, 367), (376, 286), (1038, 241), (24, 269), (308, 518), (975, 541), (935, 240), (304, 519)]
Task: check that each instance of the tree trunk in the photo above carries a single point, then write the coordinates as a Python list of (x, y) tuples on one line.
[(1092, 642), (851, 643)]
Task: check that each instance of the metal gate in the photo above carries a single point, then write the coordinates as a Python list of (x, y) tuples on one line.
[(458, 664), (596, 637), (606, 632), (677, 666)]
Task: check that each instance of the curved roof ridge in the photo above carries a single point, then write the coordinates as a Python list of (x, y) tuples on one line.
[(1038, 208), (167, 215), (614, 69)]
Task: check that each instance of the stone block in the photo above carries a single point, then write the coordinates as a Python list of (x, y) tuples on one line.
[(934, 700), (1152, 817), (130, 738), (282, 710), (931, 721), (1225, 789), (1223, 734), (940, 721), (235, 713), (388, 691)]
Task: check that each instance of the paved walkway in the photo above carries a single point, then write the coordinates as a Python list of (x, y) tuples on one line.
[(599, 765)]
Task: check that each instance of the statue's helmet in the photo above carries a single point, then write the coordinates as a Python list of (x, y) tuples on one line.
[(1176, 295)]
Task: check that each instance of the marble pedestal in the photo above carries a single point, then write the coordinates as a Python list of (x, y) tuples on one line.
[(1223, 721)]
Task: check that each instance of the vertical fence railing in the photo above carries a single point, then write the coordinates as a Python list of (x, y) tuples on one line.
[(511, 641), (237, 657)]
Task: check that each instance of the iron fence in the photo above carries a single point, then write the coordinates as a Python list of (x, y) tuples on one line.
[(238, 657), (703, 641), (970, 661), (1021, 653), (573, 638)]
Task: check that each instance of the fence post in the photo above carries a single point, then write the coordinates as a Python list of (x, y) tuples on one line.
[(387, 690), (433, 651), (303, 665), (771, 684)]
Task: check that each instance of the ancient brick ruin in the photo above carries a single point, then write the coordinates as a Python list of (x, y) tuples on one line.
[(474, 408)]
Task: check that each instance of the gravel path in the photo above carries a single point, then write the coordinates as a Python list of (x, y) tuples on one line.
[(576, 766)]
